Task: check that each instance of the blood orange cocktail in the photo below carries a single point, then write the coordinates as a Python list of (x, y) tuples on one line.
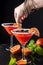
[(8, 27), (23, 38), (22, 35)]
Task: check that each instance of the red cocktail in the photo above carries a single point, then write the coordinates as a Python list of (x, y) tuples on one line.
[(8, 27), (22, 35), (23, 38)]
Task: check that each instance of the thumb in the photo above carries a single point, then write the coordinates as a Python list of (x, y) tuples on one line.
[(16, 17)]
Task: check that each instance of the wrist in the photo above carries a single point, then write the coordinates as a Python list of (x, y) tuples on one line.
[(27, 6), (30, 5)]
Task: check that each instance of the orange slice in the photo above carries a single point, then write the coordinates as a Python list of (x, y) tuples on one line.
[(18, 25), (15, 49), (21, 62), (26, 51), (35, 31)]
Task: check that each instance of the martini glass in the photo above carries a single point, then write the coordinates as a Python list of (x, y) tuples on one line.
[(23, 36), (8, 27)]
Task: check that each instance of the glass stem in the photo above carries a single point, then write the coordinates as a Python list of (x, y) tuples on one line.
[(23, 56), (11, 41)]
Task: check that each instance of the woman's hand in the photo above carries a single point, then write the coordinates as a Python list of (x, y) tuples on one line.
[(20, 13)]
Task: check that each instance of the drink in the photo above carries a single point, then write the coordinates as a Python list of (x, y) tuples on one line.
[(8, 27), (23, 36)]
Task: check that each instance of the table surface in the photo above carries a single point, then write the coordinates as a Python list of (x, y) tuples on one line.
[(5, 56)]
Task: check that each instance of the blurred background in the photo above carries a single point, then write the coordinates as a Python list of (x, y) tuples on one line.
[(35, 19)]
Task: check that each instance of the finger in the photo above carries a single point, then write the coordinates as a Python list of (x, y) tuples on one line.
[(15, 15), (22, 18), (20, 21), (17, 19)]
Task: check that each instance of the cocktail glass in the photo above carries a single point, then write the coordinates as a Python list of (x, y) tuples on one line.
[(23, 36), (8, 27)]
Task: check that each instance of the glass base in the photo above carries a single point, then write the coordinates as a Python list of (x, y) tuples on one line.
[(29, 62), (7, 49)]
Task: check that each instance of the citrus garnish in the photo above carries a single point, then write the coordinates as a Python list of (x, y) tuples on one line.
[(26, 51), (35, 31), (17, 25), (21, 62), (15, 49)]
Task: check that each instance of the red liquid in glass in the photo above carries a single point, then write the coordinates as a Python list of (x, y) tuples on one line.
[(9, 28), (23, 38)]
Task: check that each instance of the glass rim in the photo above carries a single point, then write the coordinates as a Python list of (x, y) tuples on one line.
[(5, 24), (15, 31)]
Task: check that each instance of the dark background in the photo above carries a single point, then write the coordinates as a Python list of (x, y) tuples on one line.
[(35, 19)]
